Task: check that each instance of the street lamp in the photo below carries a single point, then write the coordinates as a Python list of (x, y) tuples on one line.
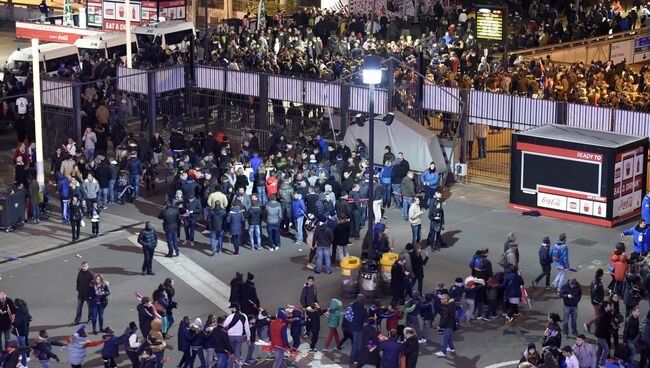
[(371, 77)]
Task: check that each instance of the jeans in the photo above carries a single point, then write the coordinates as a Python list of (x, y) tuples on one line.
[(279, 358), (416, 231), (222, 360), (570, 312), (255, 232), (44, 363), (65, 215), (286, 215), (596, 314), (299, 227), (356, 346), (469, 314), (36, 211), (236, 343), (356, 223), (387, 192), (631, 346), (273, 230), (482, 147), (261, 193), (429, 194), (172, 242), (426, 326), (397, 194), (190, 226), (236, 242), (546, 271), (148, 260), (447, 340), (325, 252), (210, 357), (559, 279), (602, 351), (90, 153), (341, 252), (89, 206), (405, 207), (103, 197), (197, 351), (134, 181), (76, 228), (22, 341), (111, 190), (98, 314), (216, 240), (80, 304)]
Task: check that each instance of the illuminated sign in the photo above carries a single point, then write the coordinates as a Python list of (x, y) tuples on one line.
[(489, 24)]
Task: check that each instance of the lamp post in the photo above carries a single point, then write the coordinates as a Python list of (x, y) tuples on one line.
[(371, 77), (38, 128)]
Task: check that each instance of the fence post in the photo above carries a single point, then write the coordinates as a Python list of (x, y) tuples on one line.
[(462, 124), (612, 124), (151, 97), (263, 103), (391, 85), (76, 111), (560, 112), (345, 109)]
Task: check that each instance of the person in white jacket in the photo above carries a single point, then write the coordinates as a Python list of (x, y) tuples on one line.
[(415, 219), (570, 360)]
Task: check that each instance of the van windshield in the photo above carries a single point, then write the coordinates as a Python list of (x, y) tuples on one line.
[(93, 54), (19, 68)]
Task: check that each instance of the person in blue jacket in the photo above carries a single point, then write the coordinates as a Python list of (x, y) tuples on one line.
[(645, 208), (255, 161), (390, 350), (235, 220), (512, 291), (111, 348), (297, 323), (560, 255), (385, 177), (298, 211), (430, 179), (641, 235), (63, 186), (184, 336)]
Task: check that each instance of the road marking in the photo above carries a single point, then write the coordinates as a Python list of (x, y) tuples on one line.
[(504, 364), (195, 276)]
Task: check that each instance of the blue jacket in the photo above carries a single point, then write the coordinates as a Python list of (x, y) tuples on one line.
[(236, 221), (641, 238), (391, 350), (386, 174), (512, 285), (184, 336), (430, 178), (322, 145), (645, 209), (111, 348), (255, 162), (134, 166), (63, 185), (360, 316), (77, 349), (560, 254), (427, 311), (298, 208)]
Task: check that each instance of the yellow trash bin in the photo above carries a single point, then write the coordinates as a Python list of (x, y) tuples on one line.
[(350, 271), (387, 261)]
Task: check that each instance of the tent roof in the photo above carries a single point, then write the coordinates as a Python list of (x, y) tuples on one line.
[(580, 135)]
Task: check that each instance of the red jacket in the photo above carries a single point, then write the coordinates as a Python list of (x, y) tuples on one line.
[(278, 334), (271, 186)]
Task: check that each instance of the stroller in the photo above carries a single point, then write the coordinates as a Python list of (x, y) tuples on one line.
[(124, 189)]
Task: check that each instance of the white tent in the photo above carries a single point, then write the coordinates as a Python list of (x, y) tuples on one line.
[(419, 144)]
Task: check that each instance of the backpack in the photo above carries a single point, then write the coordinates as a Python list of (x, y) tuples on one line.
[(349, 313), (503, 261), (476, 262)]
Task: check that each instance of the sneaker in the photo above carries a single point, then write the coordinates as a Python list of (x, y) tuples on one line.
[(271, 249), (440, 354), (487, 319), (105, 207), (339, 348), (509, 319), (326, 350), (277, 248), (310, 266), (517, 314), (422, 341), (313, 350), (451, 350), (479, 318)]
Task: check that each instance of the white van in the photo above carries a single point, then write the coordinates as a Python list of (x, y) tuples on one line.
[(51, 55), (104, 46), (168, 33)]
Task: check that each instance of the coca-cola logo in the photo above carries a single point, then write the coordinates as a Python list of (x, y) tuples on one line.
[(626, 204), (553, 202)]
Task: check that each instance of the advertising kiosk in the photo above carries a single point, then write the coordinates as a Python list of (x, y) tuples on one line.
[(578, 174)]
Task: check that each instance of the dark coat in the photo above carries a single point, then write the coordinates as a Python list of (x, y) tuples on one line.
[(170, 218), (148, 239), (369, 334), (84, 290), (8, 309), (220, 341), (184, 336), (248, 297), (390, 353), (308, 296), (411, 350), (22, 321), (397, 278), (102, 175), (217, 218), (417, 264), (111, 348), (235, 288), (236, 221)]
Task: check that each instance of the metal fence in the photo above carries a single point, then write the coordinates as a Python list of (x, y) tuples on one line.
[(213, 99)]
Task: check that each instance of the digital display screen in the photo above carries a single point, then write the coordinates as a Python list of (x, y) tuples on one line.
[(559, 172), (489, 24)]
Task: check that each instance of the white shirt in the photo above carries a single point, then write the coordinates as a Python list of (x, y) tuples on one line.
[(572, 362), (21, 104), (238, 329)]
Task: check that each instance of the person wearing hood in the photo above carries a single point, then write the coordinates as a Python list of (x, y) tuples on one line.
[(132, 344), (248, 296), (77, 345), (641, 235), (437, 225), (333, 320), (235, 220), (279, 338), (197, 340), (184, 336), (111, 348), (298, 211), (43, 349), (531, 355), (170, 219), (153, 353), (369, 352), (391, 350), (148, 240), (323, 240), (235, 288)]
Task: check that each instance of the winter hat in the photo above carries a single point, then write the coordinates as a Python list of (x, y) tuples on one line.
[(250, 276), (531, 345), (133, 325), (281, 314), (409, 247), (458, 280), (81, 329), (546, 240)]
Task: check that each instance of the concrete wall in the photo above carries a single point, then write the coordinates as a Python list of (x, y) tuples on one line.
[(14, 13)]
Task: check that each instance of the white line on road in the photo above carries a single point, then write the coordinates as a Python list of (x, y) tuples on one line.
[(504, 364), (195, 276)]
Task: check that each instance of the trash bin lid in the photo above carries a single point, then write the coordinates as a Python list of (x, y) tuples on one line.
[(389, 259), (351, 262)]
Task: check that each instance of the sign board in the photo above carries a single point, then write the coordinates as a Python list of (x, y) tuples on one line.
[(641, 49), (620, 51), (489, 23), (115, 14), (94, 14), (51, 32)]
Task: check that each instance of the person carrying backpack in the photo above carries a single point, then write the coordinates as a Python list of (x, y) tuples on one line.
[(476, 264), (545, 261)]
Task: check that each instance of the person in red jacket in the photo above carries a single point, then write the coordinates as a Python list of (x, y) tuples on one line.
[(272, 185), (279, 339)]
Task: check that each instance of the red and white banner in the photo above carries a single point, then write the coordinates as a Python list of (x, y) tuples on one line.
[(51, 32), (562, 152)]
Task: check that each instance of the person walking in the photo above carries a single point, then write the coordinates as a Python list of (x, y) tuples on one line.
[(630, 333), (22, 321), (132, 344), (411, 348), (604, 332), (273, 211), (437, 217), (184, 336), (94, 219), (135, 169), (170, 219), (359, 316), (333, 321), (447, 323), (91, 188), (76, 217), (148, 240), (415, 219), (43, 349), (235, 220), (100, 293), (391, 350), (408, 193), (323, 240), (560, 254), (545, 261), (216, 220), (571, 294), (597, 293), (193, 208), (78, 345), (237, 326), (85, 279)]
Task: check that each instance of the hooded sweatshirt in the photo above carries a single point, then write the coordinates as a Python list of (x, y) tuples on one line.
[(335, 314)]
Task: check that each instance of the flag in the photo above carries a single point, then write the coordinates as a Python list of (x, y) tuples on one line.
[(261, 16)]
